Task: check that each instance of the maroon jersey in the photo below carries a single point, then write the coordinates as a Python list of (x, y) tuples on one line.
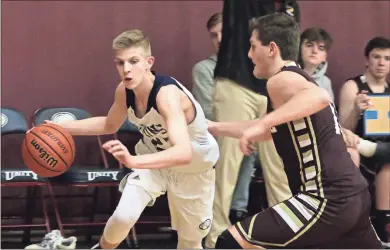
[(315, 155)]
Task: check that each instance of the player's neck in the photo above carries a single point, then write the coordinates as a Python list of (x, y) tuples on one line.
[(277, 66), (142, 91), (371, 80)]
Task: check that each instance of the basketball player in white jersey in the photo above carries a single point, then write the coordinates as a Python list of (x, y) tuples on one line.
[(176, 153)]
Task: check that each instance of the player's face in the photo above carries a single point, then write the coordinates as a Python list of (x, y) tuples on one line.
[(313, 53), (216, 35), (378, 63), (259, 56), (132, 64)]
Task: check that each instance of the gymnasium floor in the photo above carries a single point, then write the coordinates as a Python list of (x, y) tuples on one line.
[(11, 240)]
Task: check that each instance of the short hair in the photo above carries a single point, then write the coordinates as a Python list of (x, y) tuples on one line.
[(132, 38), (316, 34), (281, 29), (378, 42), (214, 20)]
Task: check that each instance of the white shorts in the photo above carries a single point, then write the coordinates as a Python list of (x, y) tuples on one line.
[(190, 197)]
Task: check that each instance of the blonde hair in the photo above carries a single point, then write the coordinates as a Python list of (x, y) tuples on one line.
[(132, 38)]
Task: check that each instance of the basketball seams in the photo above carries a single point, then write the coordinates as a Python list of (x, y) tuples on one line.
[(67, 166), (70, 144), (32, 157)]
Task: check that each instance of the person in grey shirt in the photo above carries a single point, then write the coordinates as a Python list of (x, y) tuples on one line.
[(203, 71), (314, 48)]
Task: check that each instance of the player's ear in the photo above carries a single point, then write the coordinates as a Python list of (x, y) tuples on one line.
[(273, 48), (149, 63)]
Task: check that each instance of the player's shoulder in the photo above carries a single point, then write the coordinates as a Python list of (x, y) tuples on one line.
[(121, 87), (120, 91), (285, 77), (163, 80), (165, 89)]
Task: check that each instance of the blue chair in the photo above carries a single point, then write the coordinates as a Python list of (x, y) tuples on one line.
[(14, 126)]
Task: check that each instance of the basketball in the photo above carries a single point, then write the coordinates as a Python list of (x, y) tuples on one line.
[(48, 150)]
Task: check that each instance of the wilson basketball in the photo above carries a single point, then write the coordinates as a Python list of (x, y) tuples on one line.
[(48, 150)]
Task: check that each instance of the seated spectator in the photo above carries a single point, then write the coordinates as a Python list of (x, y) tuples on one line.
[(314, 48), (354, 100)]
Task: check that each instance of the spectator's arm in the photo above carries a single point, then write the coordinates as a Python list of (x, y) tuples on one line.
[(348, 112), (203, 87)]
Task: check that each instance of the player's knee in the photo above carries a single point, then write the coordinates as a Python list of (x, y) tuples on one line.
[(125, 218), (227, 241)]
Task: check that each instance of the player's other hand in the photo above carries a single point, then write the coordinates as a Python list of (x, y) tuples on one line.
[(247, 146), (211, 127), (119, 151), (351, 139)]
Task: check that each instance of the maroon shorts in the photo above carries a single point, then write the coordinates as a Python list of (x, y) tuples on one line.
[(304, 221)]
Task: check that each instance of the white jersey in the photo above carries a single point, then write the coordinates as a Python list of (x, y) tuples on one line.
[(155, 135)]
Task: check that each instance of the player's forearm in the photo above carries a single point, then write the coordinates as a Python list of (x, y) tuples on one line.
[(89, 126), (231, 129), (172, 157), (305, 103)]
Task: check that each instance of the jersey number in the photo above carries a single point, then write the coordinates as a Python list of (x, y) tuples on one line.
[(157, 143)]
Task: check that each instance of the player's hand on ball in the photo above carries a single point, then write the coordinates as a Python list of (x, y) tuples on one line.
[(50, 122), (45, 121), (119, 151)]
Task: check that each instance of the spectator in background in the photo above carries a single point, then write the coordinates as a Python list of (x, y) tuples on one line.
[(203, 88), (354, 100), (203, 71), (314, 48)]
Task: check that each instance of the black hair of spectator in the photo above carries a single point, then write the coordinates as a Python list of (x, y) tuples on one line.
[(378, 42)]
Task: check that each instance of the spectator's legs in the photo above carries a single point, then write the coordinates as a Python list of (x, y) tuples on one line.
[(383, 202), (231, 102), (239, 207)]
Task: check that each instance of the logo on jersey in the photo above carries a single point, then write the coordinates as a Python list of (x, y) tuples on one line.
[(205, 224), (157, 134)]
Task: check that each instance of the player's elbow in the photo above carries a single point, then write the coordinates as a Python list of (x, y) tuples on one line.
[(110, 129), (185, 156), (324, 97)]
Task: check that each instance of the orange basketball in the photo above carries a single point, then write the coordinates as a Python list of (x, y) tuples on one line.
[(48, 150)]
